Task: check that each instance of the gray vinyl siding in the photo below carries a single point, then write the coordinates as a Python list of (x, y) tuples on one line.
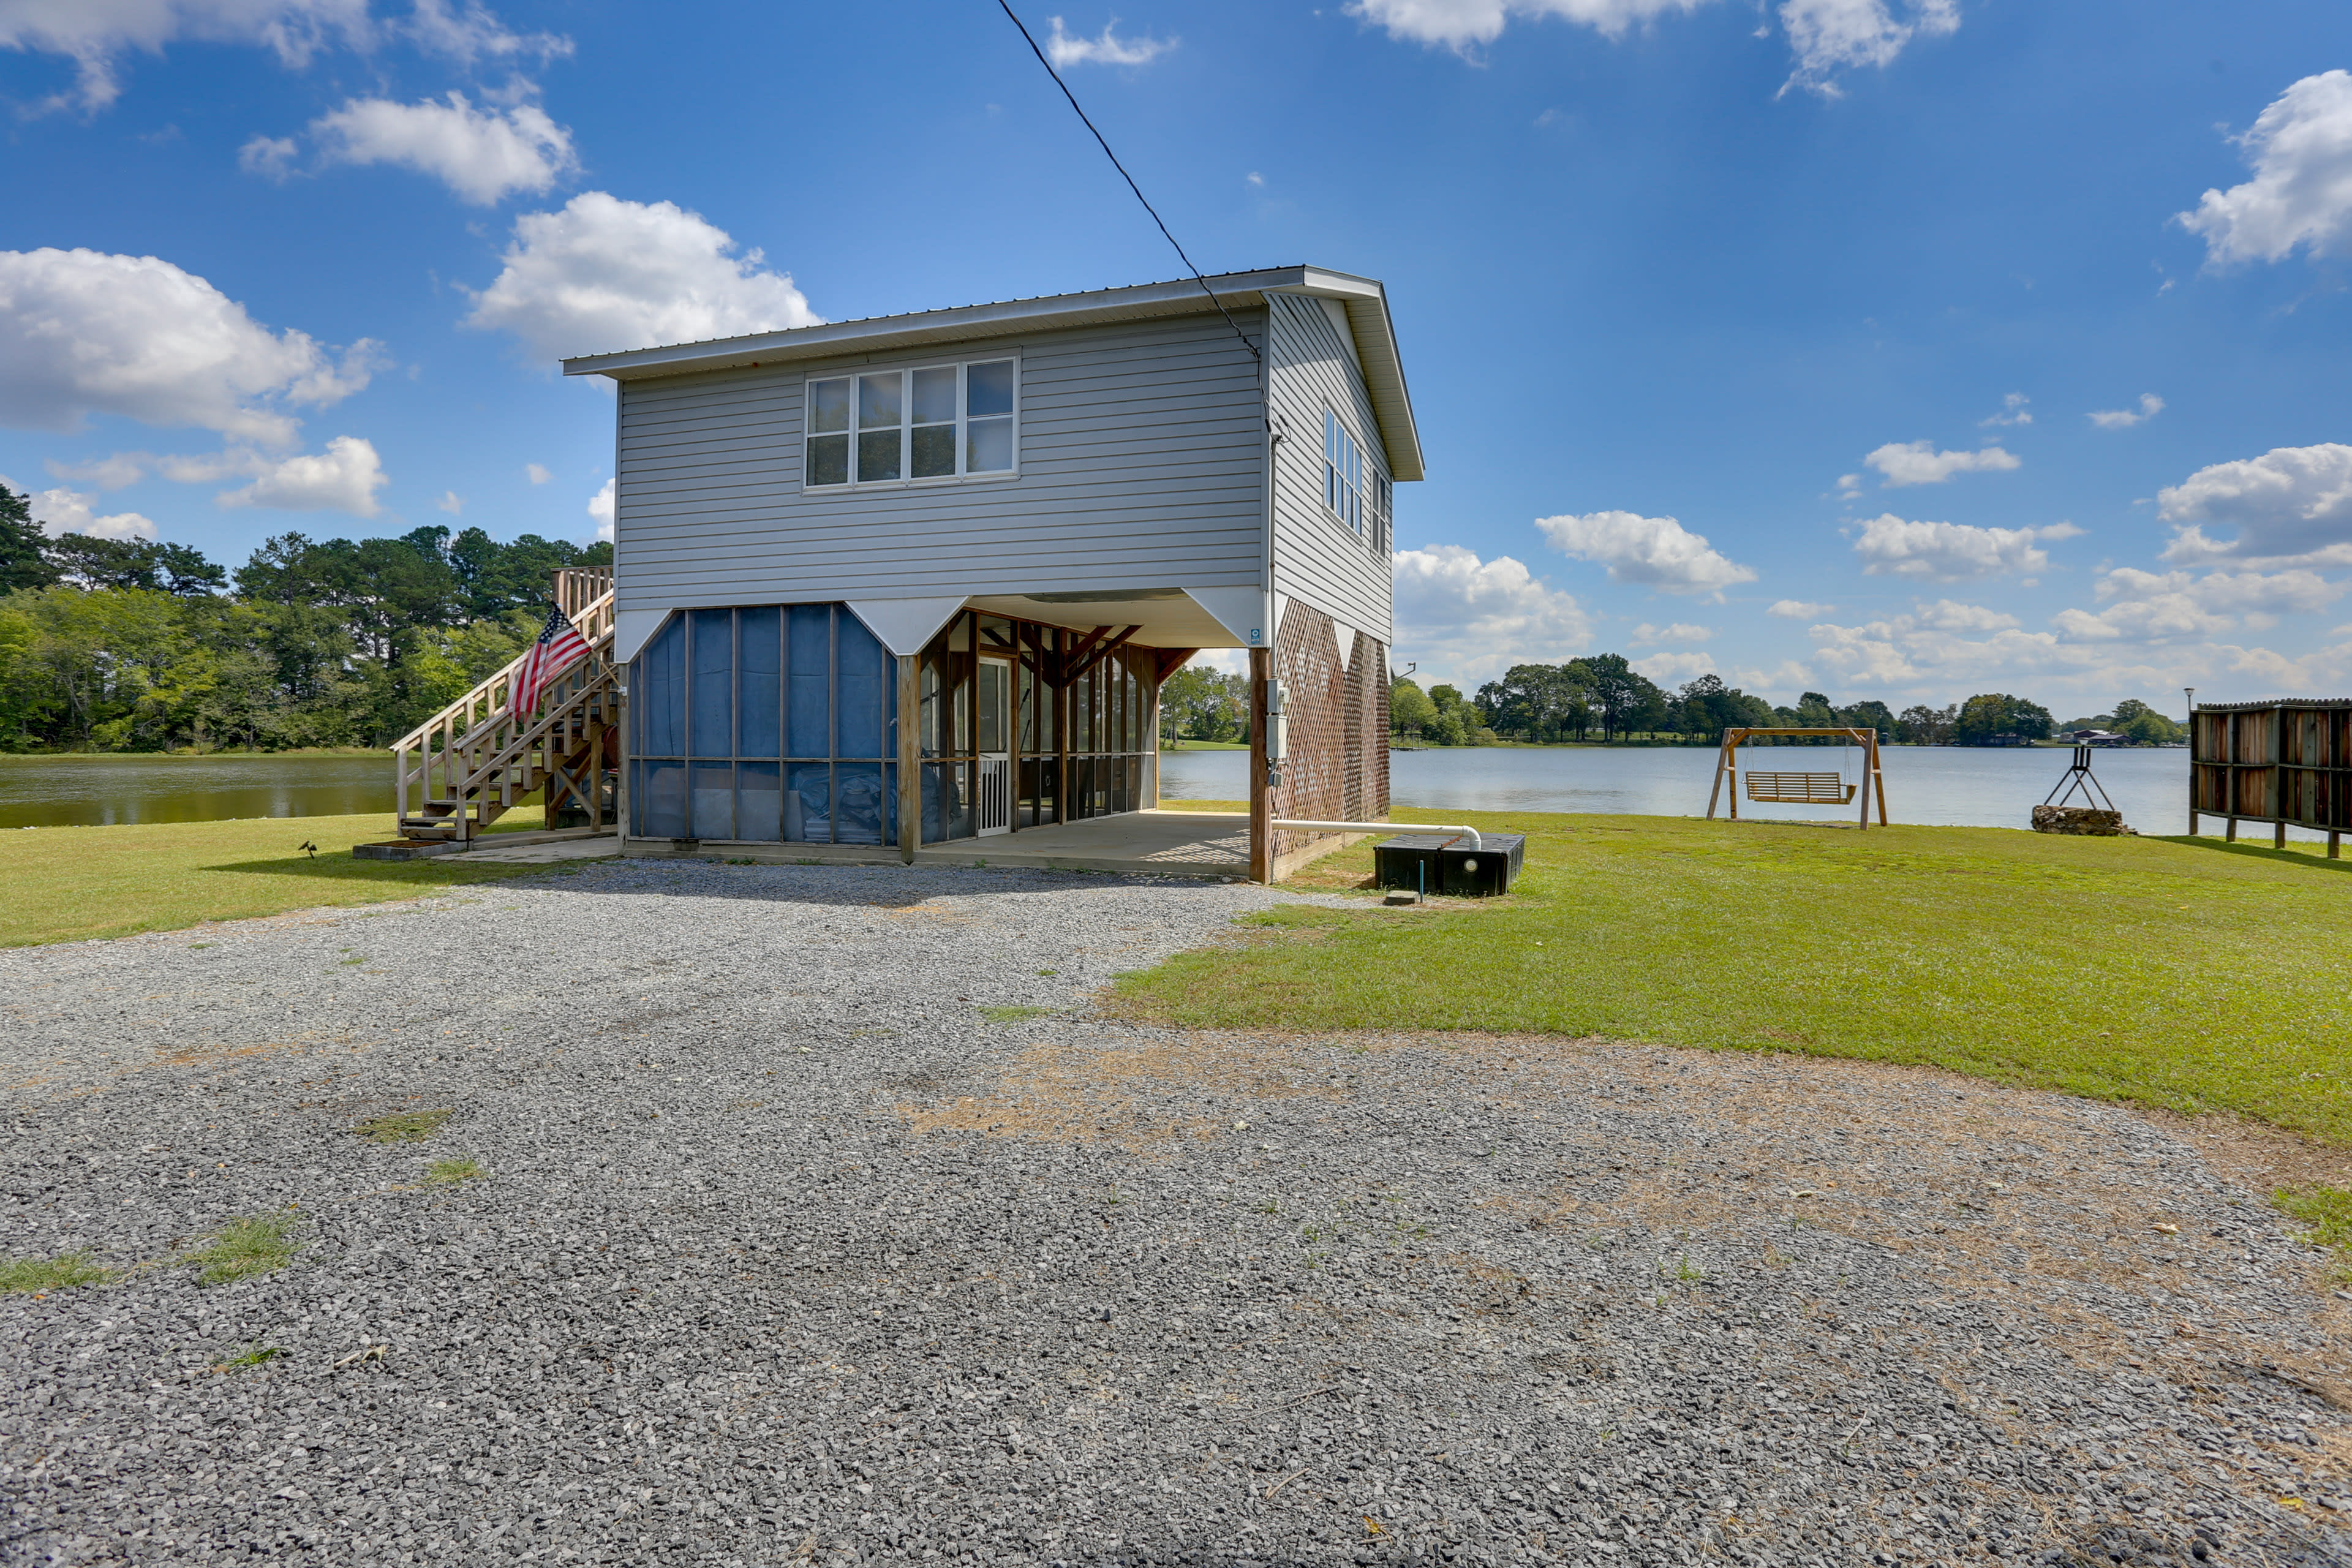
[(1317, 557), (1141, 455)]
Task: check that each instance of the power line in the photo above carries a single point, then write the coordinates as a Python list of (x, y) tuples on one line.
[(1123, 175)]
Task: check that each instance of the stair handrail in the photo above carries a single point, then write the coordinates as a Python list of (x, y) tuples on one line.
[(589, 679), (595, 624)]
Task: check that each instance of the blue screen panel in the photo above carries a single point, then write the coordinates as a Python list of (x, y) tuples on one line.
[(758, 692), (808, 730), (711, 700), (658, 792)]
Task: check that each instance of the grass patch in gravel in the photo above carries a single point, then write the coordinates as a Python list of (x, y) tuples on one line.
[(403, 1127), (2118, 968), (73, 884), (462, 1168), (252, 1355), (245, 1247), (63, 1272), (2328, 1212), (1012, 1012)]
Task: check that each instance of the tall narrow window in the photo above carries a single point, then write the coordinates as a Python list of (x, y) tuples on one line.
[(1343, 473), (930, 422)]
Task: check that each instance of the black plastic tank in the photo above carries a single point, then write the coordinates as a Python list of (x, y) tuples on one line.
[(1449, 864)]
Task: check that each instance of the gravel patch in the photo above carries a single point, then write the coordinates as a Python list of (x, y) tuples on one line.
[(821, 1220)]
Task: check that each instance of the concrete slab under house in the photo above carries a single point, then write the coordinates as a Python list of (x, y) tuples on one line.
[(907, 587)]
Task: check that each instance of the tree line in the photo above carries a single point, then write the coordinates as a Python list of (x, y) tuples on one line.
[(116, 645)]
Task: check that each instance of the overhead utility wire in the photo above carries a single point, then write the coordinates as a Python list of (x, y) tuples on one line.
[(1132, 186)]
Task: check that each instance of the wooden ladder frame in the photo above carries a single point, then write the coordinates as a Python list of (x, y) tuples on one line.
[(1726, 767)]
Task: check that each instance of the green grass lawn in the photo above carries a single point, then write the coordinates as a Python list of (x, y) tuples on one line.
[(68, 884), (2173, 973)]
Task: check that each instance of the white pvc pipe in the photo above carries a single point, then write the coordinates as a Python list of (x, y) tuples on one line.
[(1287, 826)]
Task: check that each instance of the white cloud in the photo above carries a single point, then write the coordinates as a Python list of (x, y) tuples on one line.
[(2161, 607), (1473, 619), (1825, 36), (1831, 35), (469, 33), (1951, 615), (451, 502), (1459, 25), (2012, 411), (600, 506), (83, 332), (63, 511), (1849, 484), (1656, 551), (1066, 50), (2150, 405), (2292, 505), (1799, 609), (343, 478), (482, 154), (96, 34), (1952, 552), (536, 474), (1918, 463), (1647, 635), (605, 274), (2301, 194), (1671, 670), (272, 157)]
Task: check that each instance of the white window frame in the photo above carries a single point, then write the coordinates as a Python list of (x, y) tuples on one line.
[(905, 373), (1344, 474)]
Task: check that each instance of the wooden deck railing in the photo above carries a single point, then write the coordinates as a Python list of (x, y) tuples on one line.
[(460, 750)]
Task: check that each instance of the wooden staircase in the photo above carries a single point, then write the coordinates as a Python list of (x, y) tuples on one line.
[(465, 767)]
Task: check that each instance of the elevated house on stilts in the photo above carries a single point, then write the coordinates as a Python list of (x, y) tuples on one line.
[(906, 588)]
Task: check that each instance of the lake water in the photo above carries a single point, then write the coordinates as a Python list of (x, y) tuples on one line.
[(1942, 785), (1939, 785), (58, 792)]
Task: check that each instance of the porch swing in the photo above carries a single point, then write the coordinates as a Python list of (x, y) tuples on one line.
[(1809, 788)]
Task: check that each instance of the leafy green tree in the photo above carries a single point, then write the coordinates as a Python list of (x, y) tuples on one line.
[(1619, 694), (1869, 714), (1410, 709), (1200, 704), (1540, 702), (22, 563), (1921, 725), (2144, 724), (145, 564), (1994, 719)]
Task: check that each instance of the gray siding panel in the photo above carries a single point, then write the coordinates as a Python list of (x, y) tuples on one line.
[(1316, 558), (1141, 464)]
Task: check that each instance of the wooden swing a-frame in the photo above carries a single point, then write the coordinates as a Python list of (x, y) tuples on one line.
[(1800, 789)]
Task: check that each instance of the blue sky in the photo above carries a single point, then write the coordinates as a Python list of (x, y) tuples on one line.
[(1893, 347)]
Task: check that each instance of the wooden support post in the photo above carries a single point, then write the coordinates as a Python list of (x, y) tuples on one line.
[(1877, 779), (2278, 836), (596, 776), (2192, 822), (1722, 759), (1261, 830), (1731, 770), (2332, 838), (2231, 836), (1868, 752), (910, 768)]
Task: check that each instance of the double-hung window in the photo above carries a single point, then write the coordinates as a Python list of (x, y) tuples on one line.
[(928, 422), (1343, 473)]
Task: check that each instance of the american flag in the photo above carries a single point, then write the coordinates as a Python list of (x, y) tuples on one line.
[(558, 648)]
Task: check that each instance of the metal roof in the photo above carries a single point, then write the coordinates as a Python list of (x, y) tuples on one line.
[(2274, 702), (1364, 300)]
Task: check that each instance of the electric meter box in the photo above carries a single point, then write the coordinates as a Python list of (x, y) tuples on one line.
[(1450, 865)]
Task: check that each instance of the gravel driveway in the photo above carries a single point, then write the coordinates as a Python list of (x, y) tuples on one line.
[(824, 1223)]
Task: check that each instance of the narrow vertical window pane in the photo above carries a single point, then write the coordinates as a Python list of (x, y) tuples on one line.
[(935, 396), (714, 801), (759, 692), (879, 403), (808, 803), (863, 690), (828, 460), (858, 788), (988, 388), (661, 800), (711, 702), (661, 700), (808, 727), (959, 800), (758, 802), (828, 405), (930, 724), (988, 446)]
